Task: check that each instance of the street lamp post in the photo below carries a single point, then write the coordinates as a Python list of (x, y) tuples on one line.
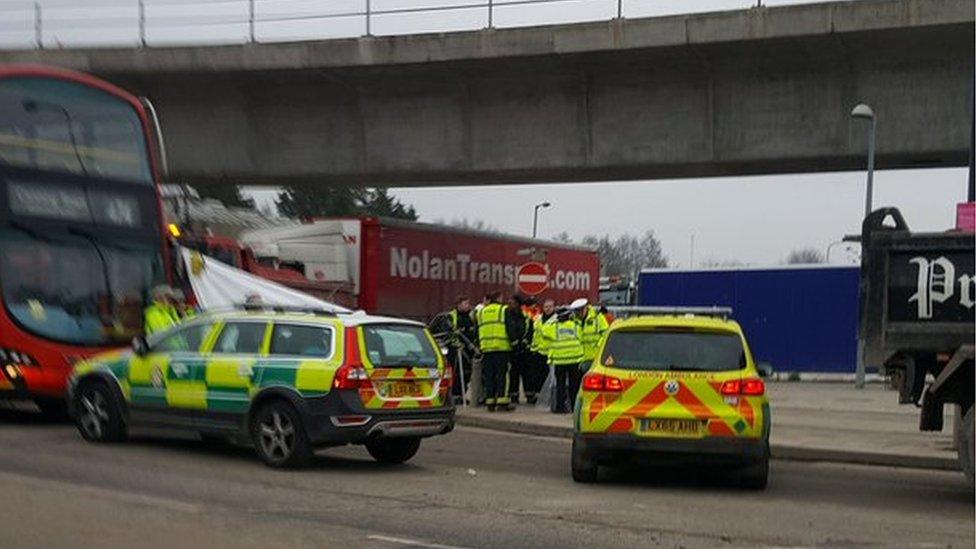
[(865, 112), (535, 217)]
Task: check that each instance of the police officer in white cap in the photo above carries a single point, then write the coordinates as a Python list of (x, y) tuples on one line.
[(592, 327)]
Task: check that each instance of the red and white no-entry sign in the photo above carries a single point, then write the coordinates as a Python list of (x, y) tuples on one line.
[(532, 278)]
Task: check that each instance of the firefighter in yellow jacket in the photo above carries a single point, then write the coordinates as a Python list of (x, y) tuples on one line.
[(495, 334)]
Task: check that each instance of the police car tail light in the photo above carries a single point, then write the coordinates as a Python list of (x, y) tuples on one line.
[(731, 387), (600, 382), (753, 387), (747, 387), (448, 374)]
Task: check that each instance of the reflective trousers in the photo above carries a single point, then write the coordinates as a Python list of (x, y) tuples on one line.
[(494, 376)]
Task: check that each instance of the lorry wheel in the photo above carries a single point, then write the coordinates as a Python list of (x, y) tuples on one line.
[(393, 450), (584, 468), (279, 436), (967, 446), (98, 416)]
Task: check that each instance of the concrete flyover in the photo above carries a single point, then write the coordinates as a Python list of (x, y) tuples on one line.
[(756, 91)]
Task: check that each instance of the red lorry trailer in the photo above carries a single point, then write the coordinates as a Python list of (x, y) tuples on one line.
[(417, 270)]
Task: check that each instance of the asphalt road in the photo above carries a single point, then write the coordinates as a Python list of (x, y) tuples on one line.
[(471, 488)]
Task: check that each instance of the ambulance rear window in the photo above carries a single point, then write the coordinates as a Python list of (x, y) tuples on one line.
[(674, 351), (398, 345)]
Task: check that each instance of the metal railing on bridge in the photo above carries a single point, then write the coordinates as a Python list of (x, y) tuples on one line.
[(77, 23)]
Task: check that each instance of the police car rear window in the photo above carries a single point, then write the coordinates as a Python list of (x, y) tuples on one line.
[(674, 351), (294, 340)]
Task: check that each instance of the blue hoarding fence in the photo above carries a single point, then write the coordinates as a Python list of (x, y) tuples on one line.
[(797, 318)]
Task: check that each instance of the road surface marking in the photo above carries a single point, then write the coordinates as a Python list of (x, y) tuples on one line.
[(413, 542)]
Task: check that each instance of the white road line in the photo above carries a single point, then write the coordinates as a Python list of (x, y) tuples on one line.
[(413, 542)]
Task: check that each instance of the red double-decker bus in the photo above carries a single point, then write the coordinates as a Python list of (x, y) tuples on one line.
[(81, 234)]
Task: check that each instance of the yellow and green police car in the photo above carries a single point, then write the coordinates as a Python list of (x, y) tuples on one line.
[(673, 388), (288, 381)]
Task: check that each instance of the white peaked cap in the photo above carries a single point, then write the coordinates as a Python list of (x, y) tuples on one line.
[(579, 303)]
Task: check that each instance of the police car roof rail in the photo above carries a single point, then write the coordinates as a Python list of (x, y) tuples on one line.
[(635, 310)]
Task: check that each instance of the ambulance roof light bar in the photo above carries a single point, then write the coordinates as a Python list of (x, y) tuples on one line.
[(635, 310)]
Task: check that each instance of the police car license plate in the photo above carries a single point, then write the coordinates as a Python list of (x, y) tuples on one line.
[(400, 389), (671, 426)]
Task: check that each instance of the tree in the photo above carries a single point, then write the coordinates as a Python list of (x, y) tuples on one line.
[(313, 200), (726, 263), (228, 195), (804, 256), (378, 202), (628, 254), (475, 225), (563, 238)]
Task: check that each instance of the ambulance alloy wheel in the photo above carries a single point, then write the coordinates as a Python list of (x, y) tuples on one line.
[(98, 414), (393, 450), (279, 436), (584, 467)]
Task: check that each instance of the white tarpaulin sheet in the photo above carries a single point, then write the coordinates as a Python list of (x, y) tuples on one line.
[(217, 285)]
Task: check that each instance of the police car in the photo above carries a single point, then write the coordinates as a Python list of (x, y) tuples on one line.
[(288, 381), (676, 388)]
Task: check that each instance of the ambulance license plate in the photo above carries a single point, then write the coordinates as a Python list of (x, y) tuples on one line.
[(671, 426), (401, 389)]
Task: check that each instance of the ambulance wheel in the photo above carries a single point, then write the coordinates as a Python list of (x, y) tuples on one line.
[(53, 409), (584, 467), (393, 450), (98, 413), (279, 436), (755, 476)]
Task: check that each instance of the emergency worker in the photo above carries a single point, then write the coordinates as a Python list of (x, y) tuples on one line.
[(183, 309), (462, 341), (161, 314), (593, 326), (521, 338), (539, 361), (564, 349), (496, 349)]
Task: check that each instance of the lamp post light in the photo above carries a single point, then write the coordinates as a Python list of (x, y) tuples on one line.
[(865, 112), (535, 217)]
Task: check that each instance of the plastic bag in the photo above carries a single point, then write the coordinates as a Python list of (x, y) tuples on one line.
[(547, 395)]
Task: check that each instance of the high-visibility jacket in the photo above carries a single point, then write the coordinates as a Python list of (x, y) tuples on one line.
[(539, 340), (593, 326), (492, 332), (159, 317), (462, 324), (564, 342)]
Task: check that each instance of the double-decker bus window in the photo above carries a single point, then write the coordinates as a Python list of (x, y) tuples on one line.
[(63, 126), (75, 290)]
